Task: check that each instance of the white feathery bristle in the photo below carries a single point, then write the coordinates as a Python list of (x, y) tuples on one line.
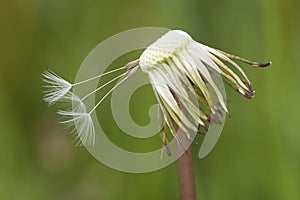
[(77, 104), (56, 86), (84, 125), (82, 120)]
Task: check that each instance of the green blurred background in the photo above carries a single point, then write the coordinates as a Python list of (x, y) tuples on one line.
[(258, 155)]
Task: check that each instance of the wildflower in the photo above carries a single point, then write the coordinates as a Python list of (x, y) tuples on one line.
[(176, 66), (176, 63)]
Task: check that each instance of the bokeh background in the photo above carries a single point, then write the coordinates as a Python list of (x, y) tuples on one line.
[(258, 155)]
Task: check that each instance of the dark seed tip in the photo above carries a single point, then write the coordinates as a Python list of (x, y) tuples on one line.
[(199, 132), (209, 121), (250, 88), (228, 114), (265, 64), (205, 127), (248, 96)]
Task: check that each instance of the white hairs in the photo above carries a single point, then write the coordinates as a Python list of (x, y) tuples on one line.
[(59, 90)]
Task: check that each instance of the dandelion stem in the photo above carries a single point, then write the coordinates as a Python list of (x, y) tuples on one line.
[(186, 177)]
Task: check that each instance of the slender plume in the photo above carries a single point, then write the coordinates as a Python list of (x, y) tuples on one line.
[(59, 90)]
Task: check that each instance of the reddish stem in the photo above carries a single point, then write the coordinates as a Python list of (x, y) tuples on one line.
[(186, 176), (185, 168), (187, 185)]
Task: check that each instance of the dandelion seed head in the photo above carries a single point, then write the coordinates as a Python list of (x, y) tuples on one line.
[(175, 64), (164, 47)]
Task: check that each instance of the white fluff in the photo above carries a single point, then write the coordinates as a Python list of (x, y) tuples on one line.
[(59, 90), (56, 87)]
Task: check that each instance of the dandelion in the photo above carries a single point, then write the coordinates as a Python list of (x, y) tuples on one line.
[(176, 66)]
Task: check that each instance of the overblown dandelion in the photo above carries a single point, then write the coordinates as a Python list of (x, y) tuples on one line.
[(176, 65)]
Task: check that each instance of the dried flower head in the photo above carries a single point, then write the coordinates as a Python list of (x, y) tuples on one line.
[(176, 65)]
